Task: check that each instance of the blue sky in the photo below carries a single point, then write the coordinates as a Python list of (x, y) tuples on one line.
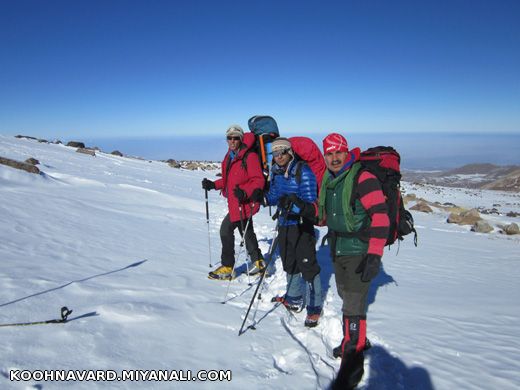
[(160, 68)]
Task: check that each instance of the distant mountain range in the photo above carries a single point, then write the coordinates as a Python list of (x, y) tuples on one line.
[(483, 176)]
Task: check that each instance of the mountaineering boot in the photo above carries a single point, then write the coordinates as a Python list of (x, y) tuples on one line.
[(290, 304), (312, 320), (222, 273), (336, 352), (351, 370), (258, 267)]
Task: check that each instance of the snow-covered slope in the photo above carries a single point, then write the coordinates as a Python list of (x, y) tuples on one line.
[(124, 243)]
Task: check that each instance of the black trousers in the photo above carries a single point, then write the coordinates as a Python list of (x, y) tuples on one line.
[(227, 236), (298, 250)]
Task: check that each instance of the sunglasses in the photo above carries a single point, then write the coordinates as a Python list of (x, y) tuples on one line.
[(279, 153), (230, 138)]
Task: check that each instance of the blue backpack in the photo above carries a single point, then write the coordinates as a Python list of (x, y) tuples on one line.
[(265, 129)]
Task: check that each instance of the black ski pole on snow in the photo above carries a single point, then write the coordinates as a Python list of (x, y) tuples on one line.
[(64, 314), (274, 243), (207, 222)]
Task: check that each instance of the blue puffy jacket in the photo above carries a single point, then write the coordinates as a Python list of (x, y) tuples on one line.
[(305, 189)]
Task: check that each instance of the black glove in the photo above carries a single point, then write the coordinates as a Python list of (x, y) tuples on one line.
[(208, 184), (292, 199), (296, 201), (369, 267), (258, 196), (284, 202), (240, 194)]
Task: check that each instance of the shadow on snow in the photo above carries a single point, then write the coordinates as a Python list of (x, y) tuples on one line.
[(389, 372), (136, 264)]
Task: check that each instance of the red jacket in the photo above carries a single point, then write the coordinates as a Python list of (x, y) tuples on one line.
[(235, 175)]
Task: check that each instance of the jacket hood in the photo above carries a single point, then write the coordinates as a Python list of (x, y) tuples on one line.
[(247, 141)]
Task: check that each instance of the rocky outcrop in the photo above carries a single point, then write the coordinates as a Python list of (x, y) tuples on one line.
[(493, 210), (19, 165), (409, 198), (422, 207), (468, 217), (193, 165), (86, 151), (117, 153), (512, 229), (76, 144), (174, 164), (32, 161), (454, 218), (481, 227)]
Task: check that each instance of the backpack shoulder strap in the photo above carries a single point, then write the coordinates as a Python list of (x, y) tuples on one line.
[(244, 159), (355, 181), (298, 171)]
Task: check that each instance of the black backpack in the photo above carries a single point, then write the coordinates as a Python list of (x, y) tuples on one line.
[(384, 163)]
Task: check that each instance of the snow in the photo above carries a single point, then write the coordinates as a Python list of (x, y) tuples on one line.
[(124, 244)]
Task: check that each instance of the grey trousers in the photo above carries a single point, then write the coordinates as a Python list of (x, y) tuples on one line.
[(351, 289)]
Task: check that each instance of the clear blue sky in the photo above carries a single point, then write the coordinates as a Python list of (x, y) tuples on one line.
[(158, 68)]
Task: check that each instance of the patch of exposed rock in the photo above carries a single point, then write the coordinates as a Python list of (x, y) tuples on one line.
[(454, 218), (512, 229), (481, 227), (19, 165), (468, 217), (173, 163), (86, 151), (32, 161), (409, 198), (193, 165), (493, 210), (422, 207), (76, 144)]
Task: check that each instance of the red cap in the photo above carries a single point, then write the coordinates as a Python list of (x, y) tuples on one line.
[(334, 142)]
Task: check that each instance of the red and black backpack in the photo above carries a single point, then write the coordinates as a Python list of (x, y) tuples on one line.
[(384, 163)]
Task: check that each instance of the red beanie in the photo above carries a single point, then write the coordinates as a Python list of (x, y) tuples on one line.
[(334, 142)]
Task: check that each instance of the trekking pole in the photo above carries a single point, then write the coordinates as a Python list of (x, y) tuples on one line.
[(276, 215), (270, 254), (65, 312), (207, 222), (243, 234), (238, 256)]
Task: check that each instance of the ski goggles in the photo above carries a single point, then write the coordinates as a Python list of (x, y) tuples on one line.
[(232, 138), (282, 152)]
